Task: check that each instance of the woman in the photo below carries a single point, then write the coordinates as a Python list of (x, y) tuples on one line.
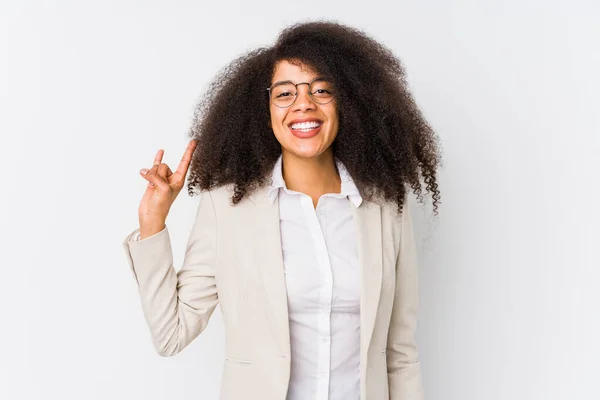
[(304, 152)]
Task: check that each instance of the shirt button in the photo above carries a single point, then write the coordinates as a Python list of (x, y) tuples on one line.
[(325, 339)]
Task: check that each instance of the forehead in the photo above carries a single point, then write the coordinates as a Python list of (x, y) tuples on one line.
[(292, 71)]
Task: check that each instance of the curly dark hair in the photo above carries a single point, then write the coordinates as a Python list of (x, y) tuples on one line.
[(383, 140)]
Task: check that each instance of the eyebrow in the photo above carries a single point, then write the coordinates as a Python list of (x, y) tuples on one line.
[(319, 78)]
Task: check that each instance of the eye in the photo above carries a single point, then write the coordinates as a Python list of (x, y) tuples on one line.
[(284, 94), (321, 91)]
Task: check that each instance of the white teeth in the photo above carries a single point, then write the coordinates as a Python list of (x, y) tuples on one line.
[(306, 125)]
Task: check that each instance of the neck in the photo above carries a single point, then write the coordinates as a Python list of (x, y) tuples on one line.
[(313, 176)]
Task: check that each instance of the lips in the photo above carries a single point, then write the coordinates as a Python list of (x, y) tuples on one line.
[(305, 128)]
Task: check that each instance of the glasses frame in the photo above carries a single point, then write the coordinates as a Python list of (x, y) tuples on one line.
[(310, 94)]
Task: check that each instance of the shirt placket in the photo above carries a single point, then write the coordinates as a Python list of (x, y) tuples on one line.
[(317, 221)]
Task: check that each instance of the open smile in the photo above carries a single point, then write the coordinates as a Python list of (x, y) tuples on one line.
[(305, 128)]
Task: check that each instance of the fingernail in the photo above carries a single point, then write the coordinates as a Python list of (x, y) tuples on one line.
[(143, 171)]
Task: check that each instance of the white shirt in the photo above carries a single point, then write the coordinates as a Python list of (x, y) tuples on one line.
[(322, 275)]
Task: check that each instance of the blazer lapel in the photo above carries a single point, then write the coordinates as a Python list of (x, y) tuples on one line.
[(269, 260), (368, 224)]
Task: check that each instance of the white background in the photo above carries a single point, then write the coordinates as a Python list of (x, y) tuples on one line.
[(89, 91)]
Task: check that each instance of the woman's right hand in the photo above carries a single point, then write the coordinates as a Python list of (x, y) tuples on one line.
[(162, 190)]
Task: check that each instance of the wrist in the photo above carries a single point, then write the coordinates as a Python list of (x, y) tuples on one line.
[(151, 228)]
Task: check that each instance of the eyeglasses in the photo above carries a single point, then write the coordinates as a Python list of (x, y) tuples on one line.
[(284, 94)]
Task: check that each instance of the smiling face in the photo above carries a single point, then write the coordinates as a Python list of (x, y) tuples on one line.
[(305, 129)]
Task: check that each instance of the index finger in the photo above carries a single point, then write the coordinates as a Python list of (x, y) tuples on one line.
[(186, 159)]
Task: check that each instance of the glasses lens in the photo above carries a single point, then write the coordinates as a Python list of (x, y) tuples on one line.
[(322, 91), (283, 95)]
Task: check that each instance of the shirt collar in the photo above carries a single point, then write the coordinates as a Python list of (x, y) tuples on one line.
[(349, 188)]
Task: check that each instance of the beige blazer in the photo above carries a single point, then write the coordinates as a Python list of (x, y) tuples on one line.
[(234, 258)]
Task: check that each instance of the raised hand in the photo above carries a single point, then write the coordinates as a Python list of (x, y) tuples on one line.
[(163, 187)]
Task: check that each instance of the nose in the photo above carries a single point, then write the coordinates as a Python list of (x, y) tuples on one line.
[(303, 100)]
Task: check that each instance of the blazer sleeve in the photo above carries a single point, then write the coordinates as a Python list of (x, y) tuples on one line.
[(404, 371), (176, 305)]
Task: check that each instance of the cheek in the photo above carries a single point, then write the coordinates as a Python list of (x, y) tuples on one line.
[(277, 114), (276, 121), (333, 116)]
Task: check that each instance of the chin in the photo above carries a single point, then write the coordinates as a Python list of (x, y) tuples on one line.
[(303, 148), (304, 153)]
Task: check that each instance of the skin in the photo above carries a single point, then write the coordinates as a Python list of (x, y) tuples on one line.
[(163, 187), (308, 163)]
